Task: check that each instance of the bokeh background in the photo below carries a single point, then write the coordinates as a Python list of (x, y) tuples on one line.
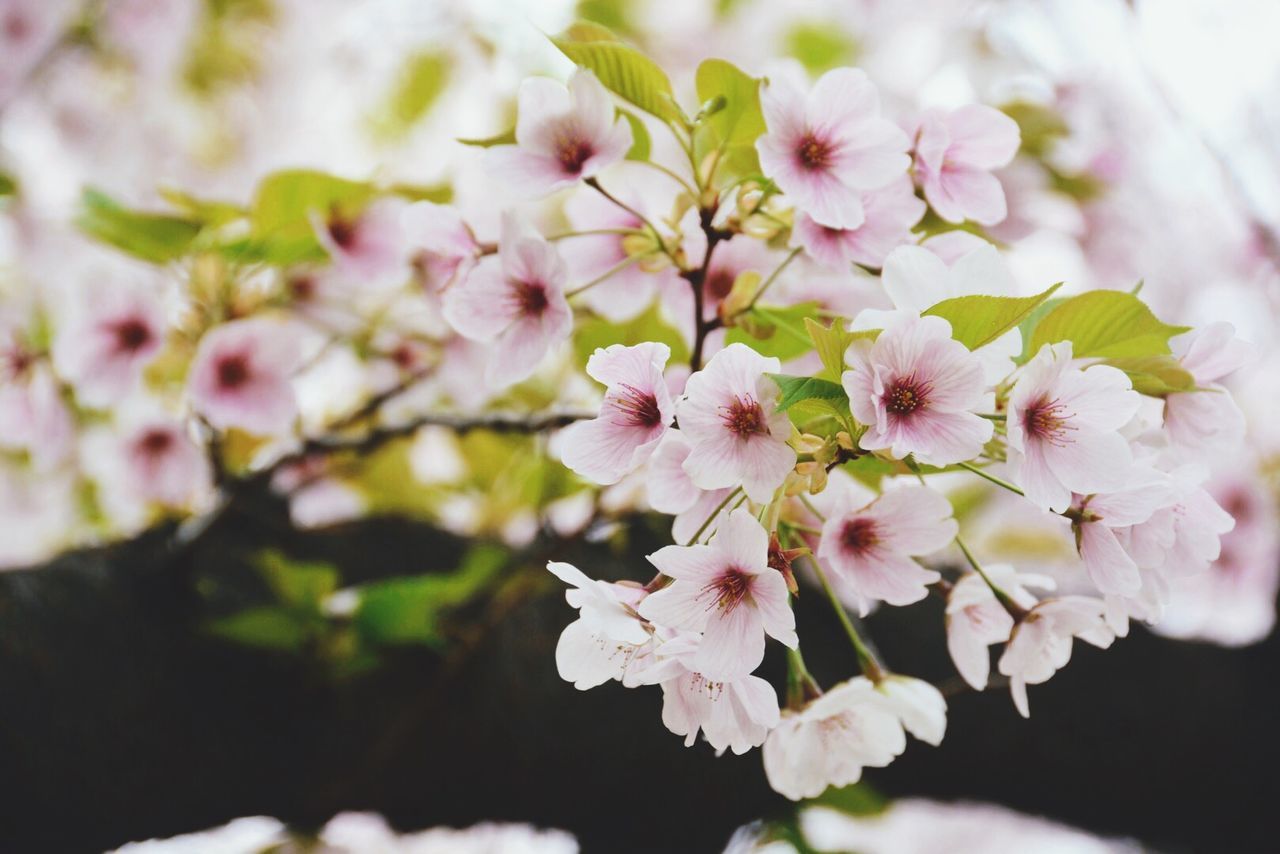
[(134, 705)]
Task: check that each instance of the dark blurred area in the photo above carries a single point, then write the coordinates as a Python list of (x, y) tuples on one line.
[(122, 719)]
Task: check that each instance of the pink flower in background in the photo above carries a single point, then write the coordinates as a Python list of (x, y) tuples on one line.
[(240, 376), (28, 28), (33, 415), (671, 490), (1041, 642), (954, 155), (635, 414), (890, 213), (1063, 428), (563, 135), (601, 643), (441, 246), (1207, 419), (1104, 517), (369, 247), (162, 464), (976, 619), (516, 300), (828, 147), (915, 387), (728, 416), (106, 342), (727, 590), (870, 549)]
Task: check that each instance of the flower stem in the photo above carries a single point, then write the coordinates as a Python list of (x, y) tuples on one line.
[(615, 269), (772, 278), (657, 235), (998, 481), (714, 514), (801, 686), (866, 661), (1015, 610), (672, 175)]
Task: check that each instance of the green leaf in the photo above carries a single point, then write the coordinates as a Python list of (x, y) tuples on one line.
[(1105, 324), (821, 46), (621, 68), (300, 584), (979, 320), (285, 201), (441, 194), (640, 143), (735, 126), (158, 238), (1040, 126), (267, 627), (419, 84), (1156, 376), (870, 469), (596, 332), (205, 211), (507, 137), (8, 185), (775, 331), (831, 342), (796, 389)]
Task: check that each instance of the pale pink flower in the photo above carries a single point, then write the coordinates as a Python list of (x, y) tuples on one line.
[(828, 147), (1041, 642), (918, 705), (975, 618), (162, 464), (914, 388), (516, 300), (672, 491), (1063, 425), (1101, 520), (1208, 419), (563, 135), (890, 213), (870, 549), (240, 376), (728, 415), (730, 260), (441, 246), (370, 247), (728, 591), (600, 644), (635, 414), (33, 415), (28, 28), (107, 342), (954, 155), (831, 739), (733, 713)]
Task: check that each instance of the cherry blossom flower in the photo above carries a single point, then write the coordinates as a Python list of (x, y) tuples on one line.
[(671, 490), (1208, 419), (954, 155), (369, 247), (516, 300), (563, 135), (1102, 517), (727, 590), (240, 376), (831, 739), (829, 146), (442, 248), (1041, 642), (870, 549), (634, 416), (734, 713), (105, 344), (918, 705), (889, 213), (600, 644), (728, 415), (976, 619), (1062, 428), (161, 463), (33, 415), (914, 388)]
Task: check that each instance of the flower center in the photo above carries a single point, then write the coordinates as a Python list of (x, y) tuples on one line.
[(638, 408), (302, 287), (906, 395), (342, 230), (15, 362), (744, 417), (730, 588), (132, 335), (153, 443), (530, 297), (719, 283), (573, 152), (859, 535), (16, 27), (233, 372), (813, 152), (1045, 420)]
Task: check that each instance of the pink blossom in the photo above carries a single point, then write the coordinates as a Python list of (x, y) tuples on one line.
[(1062, 428), (914, 388), (1041, 642), (976, 619), (730, 260), (828, 147), (672, 491), (161, 463), (601, 643), (954, 155), (28, 28), (441, 245), (889, 212), (1104, 518), (369, 247), (728, 415), (516, 300), (240, 376), (107, 342), (1208, 419), (870, 549), (635, 414), (563, 135), (727, 590), (33, 415)]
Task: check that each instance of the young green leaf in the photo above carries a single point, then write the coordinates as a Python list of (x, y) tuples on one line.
[(640, 143), (285, 203), (593, 332), (796, 389), (621, 68), (775, 330), (831, 342), (1156, 376), (507, 137), (1105, 324), (420, 83), (979, 320), (158, 238), (733, 128)]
